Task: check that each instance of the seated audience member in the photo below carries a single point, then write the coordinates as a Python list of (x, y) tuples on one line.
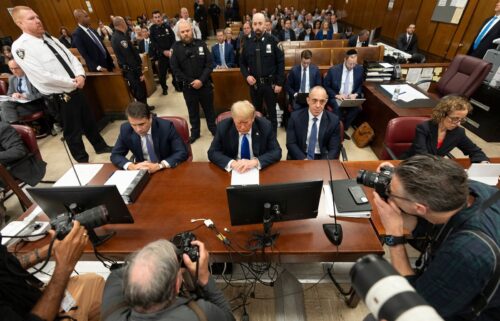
[(347, 33), (313, 133), (153, 141), (301, 79), (408, 41), (335, 25), (345, 81), (307, 34), (145, 45), (233, 42), (24, 297), (316, 26), (65, 37), (245, 33), (222, 53), (244, 141), (104, 32), (299, 29), (7, 54), (20, 88), (359, 40), (287, 33), (149, 286), (269, 29), (442, 133), (459, 258), (325, 33)]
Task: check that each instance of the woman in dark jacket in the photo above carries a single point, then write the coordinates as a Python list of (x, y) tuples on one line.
[(65, 37), (307, 34), (442, 133)]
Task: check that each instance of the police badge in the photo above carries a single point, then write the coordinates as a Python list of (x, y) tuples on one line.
[(20, 53), (124, 43)]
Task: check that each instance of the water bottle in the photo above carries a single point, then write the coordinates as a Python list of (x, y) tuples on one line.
[(395, 95)]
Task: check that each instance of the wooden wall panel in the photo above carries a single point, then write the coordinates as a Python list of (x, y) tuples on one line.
[(424, 26), (459, 33), (388, 26), (170, 7), (442, 39), (64, 11), (102, 11), (290, 3), (152, 5), (136, 8), (407, 16), (377, 19), (119, 8), (484, 9), (7, 27)]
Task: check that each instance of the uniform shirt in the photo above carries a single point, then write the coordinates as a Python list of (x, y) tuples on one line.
[(191, 61), (125, 52), (41, 66), (272, 59), (162, 37), (309, 126)]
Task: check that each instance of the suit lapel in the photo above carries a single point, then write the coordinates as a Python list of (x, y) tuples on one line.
[(255, 139), (137, 147), (434, 138), (304, 119), (156, 137), (322, 128), (234, 138)]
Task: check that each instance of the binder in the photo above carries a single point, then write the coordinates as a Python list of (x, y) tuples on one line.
[(129, 183)]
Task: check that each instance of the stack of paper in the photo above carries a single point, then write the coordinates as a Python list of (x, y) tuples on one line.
[(484, 173)]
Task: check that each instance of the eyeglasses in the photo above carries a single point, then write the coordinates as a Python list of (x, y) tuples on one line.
[(457, 120), (389, 194)]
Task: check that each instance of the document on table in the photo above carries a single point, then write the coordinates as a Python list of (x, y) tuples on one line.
[(406, 93), (413, 75), (484, 173), (17, 100), (85, 173), (122, 179), (250, 177)]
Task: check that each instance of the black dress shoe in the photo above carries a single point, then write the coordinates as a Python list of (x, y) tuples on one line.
[(104, 150), (151, 107), (192, 139), (165, 92), (346, 136)]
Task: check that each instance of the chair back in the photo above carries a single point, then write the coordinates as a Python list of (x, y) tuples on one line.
[(463, 76), (3, 87), (227, 114), (399, 135), (182, 128), (29, 138)]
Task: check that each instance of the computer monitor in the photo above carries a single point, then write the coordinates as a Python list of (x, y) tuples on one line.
[(375, 35)]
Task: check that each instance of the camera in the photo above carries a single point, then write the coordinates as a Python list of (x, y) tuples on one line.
[(378, 181), (387, 294), (182, 242), (90, 219)]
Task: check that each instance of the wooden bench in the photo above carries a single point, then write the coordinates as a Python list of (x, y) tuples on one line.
[(333, 56), (314, 44)]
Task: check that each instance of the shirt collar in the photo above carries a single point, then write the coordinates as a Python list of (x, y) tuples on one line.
[(249, 133), (311, 116), (84, 28)]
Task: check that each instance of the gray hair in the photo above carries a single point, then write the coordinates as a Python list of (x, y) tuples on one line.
[(150, 276), (434, 181)]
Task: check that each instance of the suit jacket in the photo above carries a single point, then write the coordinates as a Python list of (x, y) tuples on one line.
[(65, 42), (329, 35), (224, 147), (425, 142), (353, 41), (167, 144), (90, 51), (281, 35), (402, 43), (333, 82), (292, 85), (228, 55), (142, 48), (302, 35), (487, 41), (328, 135), (13, 155), (32, 94)]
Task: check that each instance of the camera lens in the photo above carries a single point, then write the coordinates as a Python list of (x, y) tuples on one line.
[(367, 178)]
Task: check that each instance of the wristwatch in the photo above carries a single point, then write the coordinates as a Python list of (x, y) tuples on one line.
[(391, 240)]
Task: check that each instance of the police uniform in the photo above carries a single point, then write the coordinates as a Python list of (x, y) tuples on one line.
[(190, 62), (162, 38), (55, 81), (131, 64), (264, 60)]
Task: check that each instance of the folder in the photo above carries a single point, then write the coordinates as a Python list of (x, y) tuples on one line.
[(344, 202)]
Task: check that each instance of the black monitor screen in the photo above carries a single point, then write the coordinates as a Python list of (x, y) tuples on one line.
[(56, 200), (296, 201)]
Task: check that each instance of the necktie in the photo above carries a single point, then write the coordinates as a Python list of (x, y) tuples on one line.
[(346, 83), (222, 57), (303, 82), (408, 43), (245, 147), (483, 32), (97, 41), (20, 86), (311, 147), (146, 45), (61, 59), (151, 150)]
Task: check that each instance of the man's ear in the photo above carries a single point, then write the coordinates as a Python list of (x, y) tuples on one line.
[(421, 209)]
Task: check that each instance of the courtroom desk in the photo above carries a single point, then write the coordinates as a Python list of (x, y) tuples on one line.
[(198, 190), (379, 109)]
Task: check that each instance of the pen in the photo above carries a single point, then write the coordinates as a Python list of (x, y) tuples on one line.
[(404, 92)]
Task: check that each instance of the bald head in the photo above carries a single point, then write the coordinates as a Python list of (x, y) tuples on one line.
[(82, 17), (259, 24), (120, 24), (185, 31), (317, 100)]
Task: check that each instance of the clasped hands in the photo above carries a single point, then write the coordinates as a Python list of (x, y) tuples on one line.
[(146, 165), (344, 97), (244, 165)]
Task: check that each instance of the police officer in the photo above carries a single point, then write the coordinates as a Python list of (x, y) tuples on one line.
[(192, 65), (59, 77), (162, 38), (129, 60), (263, 65)]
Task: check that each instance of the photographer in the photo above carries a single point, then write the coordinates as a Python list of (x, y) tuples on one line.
[(459, 258), (24, 297), (149, 285)]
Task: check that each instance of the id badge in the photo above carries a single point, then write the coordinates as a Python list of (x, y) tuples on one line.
[(200, 51), (268, 48)]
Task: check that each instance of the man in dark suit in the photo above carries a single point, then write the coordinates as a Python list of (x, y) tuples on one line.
[(145, 45), (313, 133), (226, 59), (287, 34), (90, 46), (154, 142), (490, 30), (345, 81), (408, 41), (335, 25), (301, 79), (20, 88), (359, 40), (244, 141)]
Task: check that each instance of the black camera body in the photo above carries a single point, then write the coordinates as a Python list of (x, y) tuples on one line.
[(90, 219), (182, 242), (378, 181)]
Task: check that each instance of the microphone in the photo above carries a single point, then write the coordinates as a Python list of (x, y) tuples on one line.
[(70, 161), (333, 231)]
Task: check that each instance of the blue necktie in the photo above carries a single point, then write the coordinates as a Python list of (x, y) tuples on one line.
[(97, 41), (245, 148), (151, 150), (311, 147), (483, 32), (222, 55), (20, 86), (303, 82)]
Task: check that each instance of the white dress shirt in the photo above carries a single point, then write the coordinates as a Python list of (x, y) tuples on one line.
[(249, 137), (351, 79), (309, 126), (145, 151), (41, 66)]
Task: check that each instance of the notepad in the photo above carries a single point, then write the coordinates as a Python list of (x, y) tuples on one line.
[(484, 173)]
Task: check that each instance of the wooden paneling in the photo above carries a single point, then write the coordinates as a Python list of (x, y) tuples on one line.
[(136, 8), (119, 8), (407, 16), (152, 5), (425, 27)]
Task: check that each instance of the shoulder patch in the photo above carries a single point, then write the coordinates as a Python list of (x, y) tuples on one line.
[(124, 43), (20, 53)]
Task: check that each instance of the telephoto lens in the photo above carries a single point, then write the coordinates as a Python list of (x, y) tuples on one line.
[(90, 219), (388, 295)]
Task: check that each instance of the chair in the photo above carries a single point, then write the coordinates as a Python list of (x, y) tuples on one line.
[(463, 76), (3, 87), (399, 136), (227, 114), (182, 128)]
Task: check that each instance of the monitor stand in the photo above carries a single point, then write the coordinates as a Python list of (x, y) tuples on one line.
[(267, 239), (99, 239)]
